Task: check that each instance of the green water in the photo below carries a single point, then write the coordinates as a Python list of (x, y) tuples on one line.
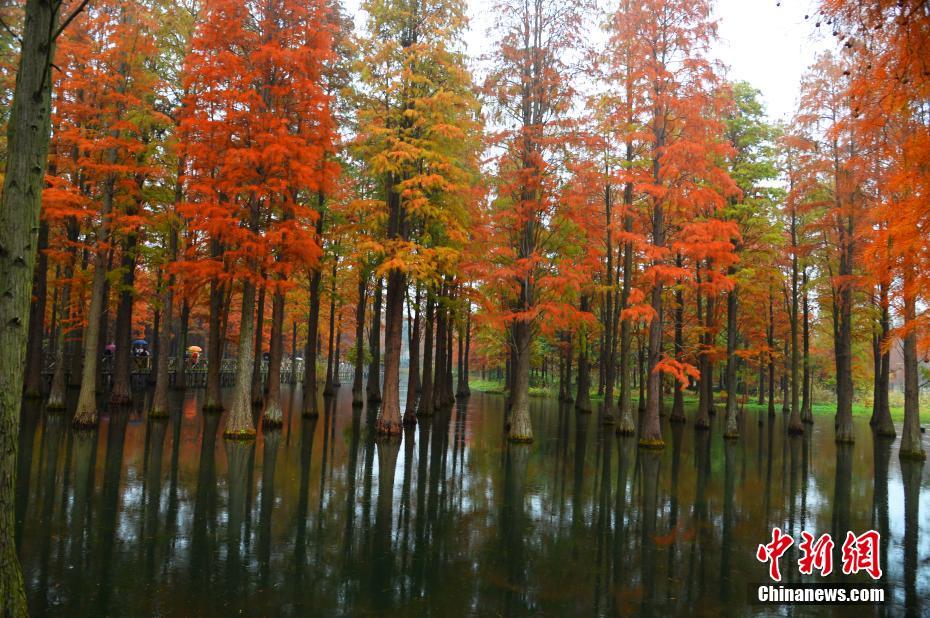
[(164, 517)]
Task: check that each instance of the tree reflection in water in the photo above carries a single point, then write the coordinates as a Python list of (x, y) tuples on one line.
[(143, 517)]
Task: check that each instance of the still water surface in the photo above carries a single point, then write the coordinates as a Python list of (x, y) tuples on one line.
[(163, 517)]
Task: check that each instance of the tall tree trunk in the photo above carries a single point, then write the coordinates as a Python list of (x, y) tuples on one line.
[(439, 367), (843, 300), (702, 418), (770, 339), (358, 387), (463, 390), (329, 386), (911, 447), (160, 403), (257, 388), (794, 420), (239, 421), (214, 397), (85, 416), (425, 407), (732, 426), (273, 414), (180, 374), (121, 394), (583, 397), (883, 424), (413, 375), (34, 382), (389, 417), (27, 155), (373, 388), (678, 402), (520, 429), (310, 404), (806, 408)]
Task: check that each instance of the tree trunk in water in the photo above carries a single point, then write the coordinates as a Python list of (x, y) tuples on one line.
[(440, 361), (702, 418), (121, 394), (257, 387), (883, 424), (651, 435), (413, 376), (449, 396), (310, 404), (770, 339), (214, 397), (85, 416), (583, 397), (911, 447), (794, 421), (732, 426), (34, 383), (807, 415), (239, 422), (520, 429), (389, 418), (57, 396), (463, 390), (358, 386), (425, 407), (678, 402), (843, 353), (374, 346), (568, 369), (160, 403), (27, 155), (329, 386), (273, 414), (180, 375)]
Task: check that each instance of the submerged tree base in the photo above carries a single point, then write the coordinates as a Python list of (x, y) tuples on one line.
[(84, 425), (731, 435), (214, 408), (385, 427), (653, 445), (158, 413), (845, 438), (410, 419), (239, 434), (917, 454)]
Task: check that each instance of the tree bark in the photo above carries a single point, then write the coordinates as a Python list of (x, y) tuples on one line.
[(911, 447), (583, 397), (273, 413), (214, 398), (520, 429), (732, 425), (239, 422), (310, 404), (85, 415), (806, 403), (358, 387), (257, 387), (34, 382), (413, 376), (329, 386), (425, 407), (121, 393), (374, 346), (27, 154)]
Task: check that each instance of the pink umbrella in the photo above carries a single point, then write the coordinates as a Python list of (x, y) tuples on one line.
[(111, 347)]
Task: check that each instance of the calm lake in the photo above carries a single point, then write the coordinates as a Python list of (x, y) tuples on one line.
[(164, 517)]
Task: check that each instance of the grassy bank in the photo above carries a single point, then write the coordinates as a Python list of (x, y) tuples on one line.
[(860, 409)]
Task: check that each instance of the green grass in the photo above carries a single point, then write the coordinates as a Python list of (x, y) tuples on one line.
[(862, 409)]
